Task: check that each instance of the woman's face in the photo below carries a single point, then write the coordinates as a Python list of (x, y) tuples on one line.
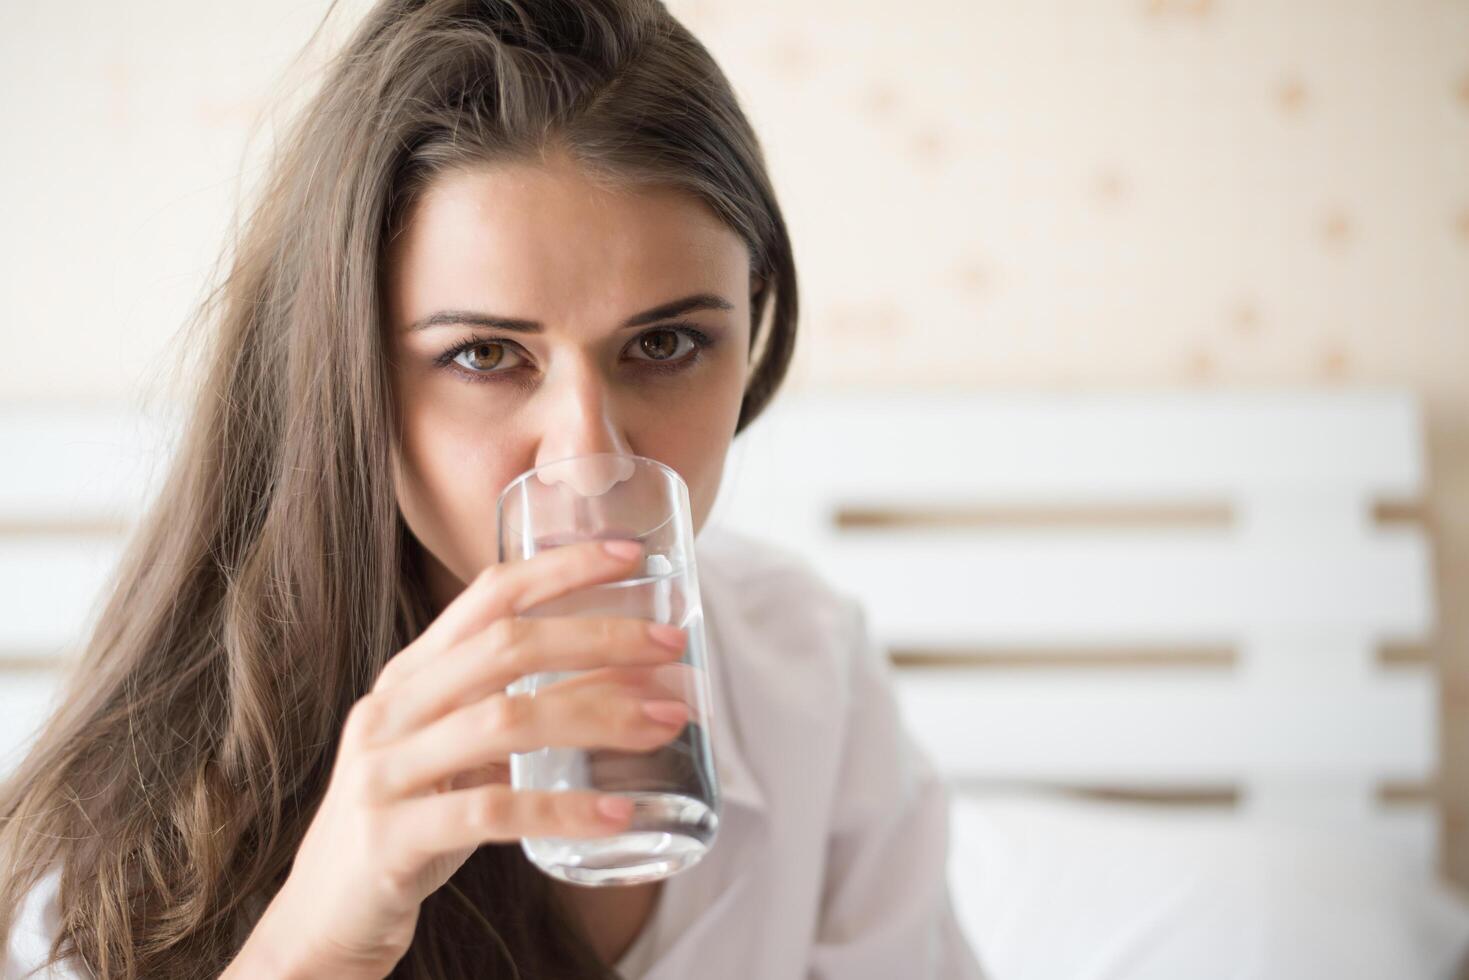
[(596, 367)]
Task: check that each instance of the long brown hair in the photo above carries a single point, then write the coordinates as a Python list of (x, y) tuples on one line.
[(273, 576)]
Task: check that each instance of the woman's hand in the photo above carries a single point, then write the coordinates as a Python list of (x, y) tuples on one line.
[(421, 775)]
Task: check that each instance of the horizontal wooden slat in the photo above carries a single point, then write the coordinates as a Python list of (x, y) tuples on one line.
[(51, 588), (68, 465), (1411, 832), (26, 700), (1110, 588), (1158, 727), (1029, 448)]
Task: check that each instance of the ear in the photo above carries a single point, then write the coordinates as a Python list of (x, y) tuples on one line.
[(757, 293)]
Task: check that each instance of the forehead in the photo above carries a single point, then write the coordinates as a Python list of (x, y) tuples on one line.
[(548, 240)]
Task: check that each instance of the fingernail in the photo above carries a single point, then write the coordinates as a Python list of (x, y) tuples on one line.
[(670, 636), (667, 712), (622, 548), (614, 807)]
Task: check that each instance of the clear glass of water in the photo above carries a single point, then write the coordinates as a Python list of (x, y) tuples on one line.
[(673, 787)]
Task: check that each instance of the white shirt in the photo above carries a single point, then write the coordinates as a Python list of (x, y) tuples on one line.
[(830, 858)]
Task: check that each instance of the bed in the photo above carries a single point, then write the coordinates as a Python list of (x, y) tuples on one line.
[(1168, 648)]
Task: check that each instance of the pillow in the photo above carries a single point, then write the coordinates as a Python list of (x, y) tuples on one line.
[(1050, 887)]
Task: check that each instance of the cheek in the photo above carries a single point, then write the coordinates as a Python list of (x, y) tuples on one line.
[(451, 471), (697, 444)]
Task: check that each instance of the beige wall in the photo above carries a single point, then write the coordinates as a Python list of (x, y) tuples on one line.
[(1139, 193)]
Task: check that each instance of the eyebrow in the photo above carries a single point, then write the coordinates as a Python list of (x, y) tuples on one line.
[(689, 304)]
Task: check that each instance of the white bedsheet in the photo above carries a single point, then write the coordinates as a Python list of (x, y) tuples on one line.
[(1058, 888)]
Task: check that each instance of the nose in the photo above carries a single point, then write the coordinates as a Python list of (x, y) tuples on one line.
[(580, 418)]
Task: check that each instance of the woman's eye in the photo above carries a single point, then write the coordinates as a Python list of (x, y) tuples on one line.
[(662, 344), (483, 357)]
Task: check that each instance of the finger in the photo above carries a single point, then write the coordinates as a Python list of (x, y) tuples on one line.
[(495, 772), (508, 589), (448, 822), (673, 682), (489, 730), (511, 648)]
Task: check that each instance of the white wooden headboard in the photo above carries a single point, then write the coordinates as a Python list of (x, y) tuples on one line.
[(72, 481), (1165, 596)]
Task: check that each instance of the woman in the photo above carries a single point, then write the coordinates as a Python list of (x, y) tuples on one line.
[(504, 232)]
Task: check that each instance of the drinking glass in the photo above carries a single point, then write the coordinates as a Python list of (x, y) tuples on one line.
[(673, 787)]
